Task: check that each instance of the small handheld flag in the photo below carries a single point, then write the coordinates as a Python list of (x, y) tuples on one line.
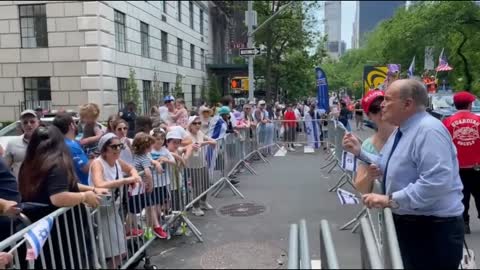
[(443, 63), (411, 69), (346, 197), (349, 161), (37, 236)]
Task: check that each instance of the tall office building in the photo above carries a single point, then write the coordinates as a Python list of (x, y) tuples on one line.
[(333, 28), (369, 14)]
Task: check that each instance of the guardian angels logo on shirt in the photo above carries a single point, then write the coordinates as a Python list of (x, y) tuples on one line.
[(465, 131)]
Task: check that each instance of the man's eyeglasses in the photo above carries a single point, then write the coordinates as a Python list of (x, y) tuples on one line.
[(119, 146), (124, 128), (196, 123)]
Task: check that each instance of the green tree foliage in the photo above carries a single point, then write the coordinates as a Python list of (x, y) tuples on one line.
[(178, 89), (132, 94), (214, 95), (452, 25), (156, 90)]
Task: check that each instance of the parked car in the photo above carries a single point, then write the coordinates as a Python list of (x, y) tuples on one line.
[(440, 105), (9, 132)]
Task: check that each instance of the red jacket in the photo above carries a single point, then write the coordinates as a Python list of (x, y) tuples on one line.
[(465, 131), (290, 119)]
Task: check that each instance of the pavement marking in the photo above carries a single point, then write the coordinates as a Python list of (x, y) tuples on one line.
[(281, 152), (316, 264), (308, 150)]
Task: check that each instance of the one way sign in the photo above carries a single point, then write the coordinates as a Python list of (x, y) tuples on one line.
[(250, 51)]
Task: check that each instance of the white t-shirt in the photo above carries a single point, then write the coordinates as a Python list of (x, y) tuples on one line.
[(15, 153), (161, 180), (165, 115)]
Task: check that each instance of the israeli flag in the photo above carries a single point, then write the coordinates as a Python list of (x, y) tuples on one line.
[(37, 236), (346, 197), (349, 161)]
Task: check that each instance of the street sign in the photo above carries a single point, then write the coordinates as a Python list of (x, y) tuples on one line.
[(250, 51)]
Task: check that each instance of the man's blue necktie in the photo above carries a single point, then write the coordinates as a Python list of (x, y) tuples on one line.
[(395, 143)]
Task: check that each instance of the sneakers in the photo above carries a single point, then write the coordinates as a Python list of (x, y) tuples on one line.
[(197, 212), (160, 233), (291, 149), (205, 205), (467, 228), (134, 232)]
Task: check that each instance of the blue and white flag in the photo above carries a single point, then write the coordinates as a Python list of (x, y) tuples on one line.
[(322, 89), (346, 197), (411, 69), (37, 236), (349, 161)]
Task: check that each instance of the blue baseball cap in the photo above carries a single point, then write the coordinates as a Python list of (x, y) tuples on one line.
[(168, 99)]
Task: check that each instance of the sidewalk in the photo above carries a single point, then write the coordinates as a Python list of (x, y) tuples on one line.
[(289, 189)]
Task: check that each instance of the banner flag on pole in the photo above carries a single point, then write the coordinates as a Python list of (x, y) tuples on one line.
[(411, 69), (322, 90), (37, 236), (349, 161), (346, 197), (443, 63)]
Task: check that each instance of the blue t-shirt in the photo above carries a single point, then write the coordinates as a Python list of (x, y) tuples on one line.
[(80, 159)]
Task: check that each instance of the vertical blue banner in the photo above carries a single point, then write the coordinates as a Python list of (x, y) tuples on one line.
[(322, 90)]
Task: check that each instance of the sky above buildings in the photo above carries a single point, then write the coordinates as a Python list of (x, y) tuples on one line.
[(348, 16)]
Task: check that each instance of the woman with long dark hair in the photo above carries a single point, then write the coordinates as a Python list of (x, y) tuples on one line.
[(47, 177)]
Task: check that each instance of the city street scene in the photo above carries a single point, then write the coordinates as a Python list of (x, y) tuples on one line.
[(239, 134)]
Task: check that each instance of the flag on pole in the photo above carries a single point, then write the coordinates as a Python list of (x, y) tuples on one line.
[(443, 63), (346, 197), (411, 69), (37, 236)]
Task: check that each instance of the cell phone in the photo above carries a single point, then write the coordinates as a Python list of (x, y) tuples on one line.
[(31, 205)]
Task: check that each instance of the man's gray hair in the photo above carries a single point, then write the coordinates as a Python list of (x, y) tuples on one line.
[(416, 90)]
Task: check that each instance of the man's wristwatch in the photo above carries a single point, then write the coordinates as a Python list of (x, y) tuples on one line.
[(392, 203)]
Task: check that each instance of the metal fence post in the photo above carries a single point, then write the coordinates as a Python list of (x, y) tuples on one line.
[(305, 262), (328, 255), (293, 247)]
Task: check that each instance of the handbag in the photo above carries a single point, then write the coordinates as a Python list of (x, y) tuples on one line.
[(468, 258)]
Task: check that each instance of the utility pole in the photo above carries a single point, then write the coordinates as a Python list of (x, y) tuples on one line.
[(251, 85)]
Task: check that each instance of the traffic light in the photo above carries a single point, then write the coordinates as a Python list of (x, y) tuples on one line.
[(236, 84)]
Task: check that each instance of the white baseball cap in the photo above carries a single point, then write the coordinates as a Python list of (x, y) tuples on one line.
[(176, 132)]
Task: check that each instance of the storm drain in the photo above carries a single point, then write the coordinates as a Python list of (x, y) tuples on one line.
[(242, 210), (245, 255)]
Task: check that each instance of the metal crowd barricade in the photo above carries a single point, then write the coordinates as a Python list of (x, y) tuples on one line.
[(391, 249), (299, 252), (300, 132), (370, 253), (70, 243), (328, 255), (347, 176)]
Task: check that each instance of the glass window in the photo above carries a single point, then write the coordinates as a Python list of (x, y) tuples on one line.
[(37, 88), (192, 56), (33, 26), (120, 37), (190, 7), (201, 21), (202, 60), (147, 96), (166, 89), (145, 39), (164, 46), (194, 95), (180, 52), (164, 6), (179, 3), (122, 92)]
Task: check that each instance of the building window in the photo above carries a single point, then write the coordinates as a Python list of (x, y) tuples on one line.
[(164, 6), (194, 95), (190, 7), (120, 37), (179, 3), (180, 52), (37, 89), (166, 89), (164, 46), (33, 26), (202, 60), (145, 39), (147, 97), (201, 21), (122, 91), (192, 56)]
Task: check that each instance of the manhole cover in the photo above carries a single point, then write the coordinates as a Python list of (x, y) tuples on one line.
[(245, 255), (242, 209)]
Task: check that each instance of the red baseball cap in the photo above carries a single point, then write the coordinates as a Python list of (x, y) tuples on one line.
[(463, 97), (369, 98)]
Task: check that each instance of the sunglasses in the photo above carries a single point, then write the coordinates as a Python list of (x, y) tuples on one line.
[(196, 123), (31, 122), (119, 146), (124, 128)]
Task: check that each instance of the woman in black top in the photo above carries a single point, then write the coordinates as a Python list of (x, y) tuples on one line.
[(343, 117), (47, 177)]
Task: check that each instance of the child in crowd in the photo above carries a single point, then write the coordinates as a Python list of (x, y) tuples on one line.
[(142, 146), (89, 132)]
